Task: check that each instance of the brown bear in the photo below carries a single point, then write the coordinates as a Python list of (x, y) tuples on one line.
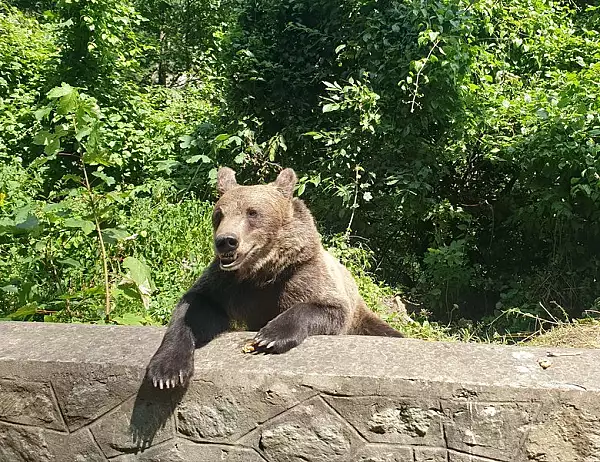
[(270, 272)]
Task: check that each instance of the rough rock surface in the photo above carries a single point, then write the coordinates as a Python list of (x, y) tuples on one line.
[(76, 393)]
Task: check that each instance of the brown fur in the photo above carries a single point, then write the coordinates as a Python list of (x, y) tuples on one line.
[(270, 272)]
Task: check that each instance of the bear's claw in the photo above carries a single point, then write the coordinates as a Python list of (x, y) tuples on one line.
[(166, 371), (279, 335)]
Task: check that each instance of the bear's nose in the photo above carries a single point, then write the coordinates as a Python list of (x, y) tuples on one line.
[(226, 243)]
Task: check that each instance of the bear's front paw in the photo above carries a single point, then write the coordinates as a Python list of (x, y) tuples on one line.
[(168, 369), (279, 335)]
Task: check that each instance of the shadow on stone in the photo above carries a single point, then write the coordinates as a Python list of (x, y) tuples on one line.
[(151, 417)]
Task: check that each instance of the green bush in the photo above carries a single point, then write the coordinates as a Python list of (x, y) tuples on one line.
[(459, 138), (457, 141), (55, 268)]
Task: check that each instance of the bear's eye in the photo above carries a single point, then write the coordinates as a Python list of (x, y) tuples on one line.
[(217, 216), (252, 213)]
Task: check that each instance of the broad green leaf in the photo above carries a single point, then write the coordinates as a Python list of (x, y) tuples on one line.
[(42, 113), (97, 157), (113, 235), (25, 312), (186, 141), (70, 262), (23, 214), (130, 319), (83, 132), (29, 224), (167, 165), (221, 137), (314, 135), (85, 225), (6, 226), (10, 289), (58, 92), (139, 273), (109, 180), (53, 146), (195, 159), (42, 138), (331, 107), (67, 103), (233, 139)]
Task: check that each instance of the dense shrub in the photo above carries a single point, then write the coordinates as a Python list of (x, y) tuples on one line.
[(460, 138), (449, 146)]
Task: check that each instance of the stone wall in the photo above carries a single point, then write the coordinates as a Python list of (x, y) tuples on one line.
[(76, 393)]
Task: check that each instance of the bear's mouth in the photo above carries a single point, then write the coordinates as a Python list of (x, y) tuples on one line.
[(228, 260)]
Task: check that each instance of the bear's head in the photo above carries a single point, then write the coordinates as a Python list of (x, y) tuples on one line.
[(249, 222)]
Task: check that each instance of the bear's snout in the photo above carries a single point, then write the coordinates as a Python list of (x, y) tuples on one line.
[(226, 243)]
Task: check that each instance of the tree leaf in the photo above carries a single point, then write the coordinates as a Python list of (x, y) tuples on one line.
[(42, 138), (109, 180), (96, 156), (24, 312), (113, 235), (186, 141), (67, 103), (59, 92), (70, 262), (83, 132), (53, 146), (85, 225), (331, 107), (42, 112), (167, 165), (139, 273), (194, 159), (29, 224)]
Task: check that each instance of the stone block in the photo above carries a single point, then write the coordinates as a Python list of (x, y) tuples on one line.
[(29, 403), (31, 444), (225, 408), (493, 430), (431, 455), (90, 391), (467, 457), (310, 431), (402, 420), (384, 453), (178, 450), (138, 423), (566, 430)]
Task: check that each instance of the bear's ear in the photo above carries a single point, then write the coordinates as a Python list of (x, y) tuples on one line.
[(286, 181), (225, 180)]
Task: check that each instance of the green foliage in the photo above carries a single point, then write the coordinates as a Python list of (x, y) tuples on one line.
[(459, 138), (175, 240), (186, 37), (27, 60), (457, 141), (155, 251), (99, 49)]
